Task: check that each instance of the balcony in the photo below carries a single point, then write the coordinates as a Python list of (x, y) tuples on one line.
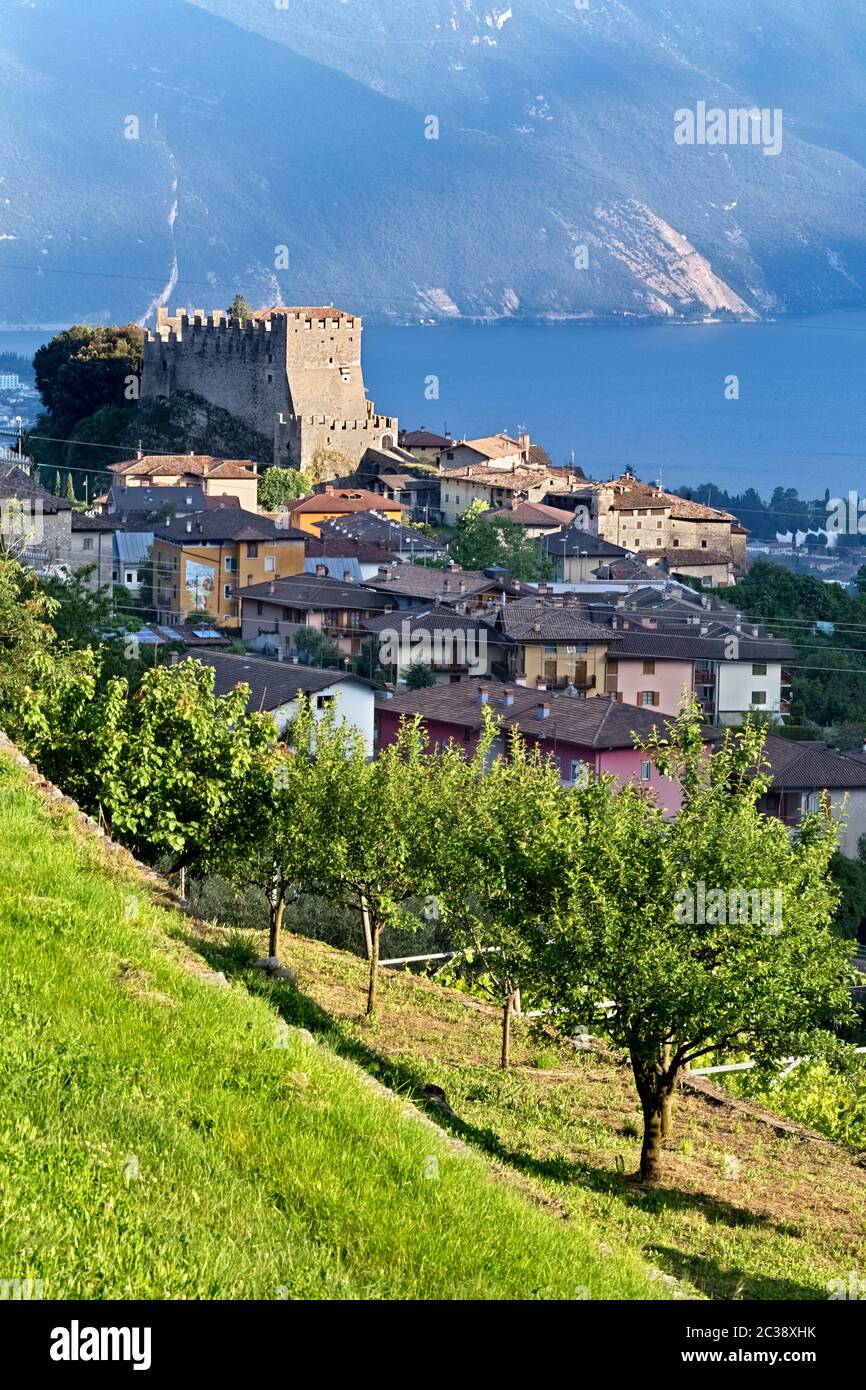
[(580, 682)]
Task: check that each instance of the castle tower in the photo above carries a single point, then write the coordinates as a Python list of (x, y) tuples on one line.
[(292, 374)]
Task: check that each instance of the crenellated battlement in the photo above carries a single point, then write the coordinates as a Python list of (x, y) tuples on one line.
[(291, 372)]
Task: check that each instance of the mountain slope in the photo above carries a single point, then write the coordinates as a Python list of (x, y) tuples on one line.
[(304, 128), (165, 1137)]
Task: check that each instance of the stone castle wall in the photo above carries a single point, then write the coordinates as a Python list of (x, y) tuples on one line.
[(295, 378)]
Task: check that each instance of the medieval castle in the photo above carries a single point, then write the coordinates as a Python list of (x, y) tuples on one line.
[(293, 374)]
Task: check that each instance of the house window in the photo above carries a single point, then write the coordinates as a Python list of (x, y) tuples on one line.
[(613, 666), (557, 763), (676, 538), (252, 550), (550, 649), (324, 701), (227, 590), (659, 525), (270, 564), (759, 668), (649, 668), (259, 609), (447, 498), (644, 772), (87, 543), (467, 733), (638, 525), (759, 697), (231, 565), (703, 545), (649, 697)]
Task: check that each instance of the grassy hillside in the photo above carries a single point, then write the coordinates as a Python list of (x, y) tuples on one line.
[(750, 1206), (166, 1135)]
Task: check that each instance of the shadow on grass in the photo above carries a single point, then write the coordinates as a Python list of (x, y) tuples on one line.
[(300, 1010)]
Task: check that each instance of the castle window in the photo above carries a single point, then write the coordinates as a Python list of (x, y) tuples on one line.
[(270, 378)]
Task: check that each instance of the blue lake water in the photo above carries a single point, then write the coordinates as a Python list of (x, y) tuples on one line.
[(652, 397)]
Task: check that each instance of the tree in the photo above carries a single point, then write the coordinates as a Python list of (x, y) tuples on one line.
[(418, 676), (319, 649), (497, 871), (480, 544), (169, 767), (705, 934), (57, 484), (279, 485), (377, 836), (70, 489), (85, 368), (239, 309)]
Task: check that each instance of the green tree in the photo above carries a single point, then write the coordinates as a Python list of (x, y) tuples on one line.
[(57, 484), (628, 948), (239, 309), (84, 368), (498, 870), (279, 485), (70, 489), (418, 676), (480, 544), (318, 647)]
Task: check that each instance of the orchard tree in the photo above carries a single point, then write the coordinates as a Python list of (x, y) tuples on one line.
[(172, 763), (709, 933), (499, 867)]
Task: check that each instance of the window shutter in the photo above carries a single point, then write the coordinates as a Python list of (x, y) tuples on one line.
[(655, 697)]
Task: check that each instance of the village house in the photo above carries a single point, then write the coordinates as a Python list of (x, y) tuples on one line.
[(730, 672), (400, 543), (273, 613), (801, 771), (645, 520), (216, 477), (585, 738), (308, 513), (470, 591), (33, 521), (534, 518), (199, 560), (424, 444), (553, 644), (277, 686), (452, 645), (92, 547), (577, 554)]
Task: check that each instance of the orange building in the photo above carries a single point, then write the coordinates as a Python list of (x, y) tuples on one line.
[(308, 513), (200, 560)]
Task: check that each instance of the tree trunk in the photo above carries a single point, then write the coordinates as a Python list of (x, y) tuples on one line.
[(667, 1097), (374, 971), (651, 1150), (365, 918), (278, 906), (507, 1011)]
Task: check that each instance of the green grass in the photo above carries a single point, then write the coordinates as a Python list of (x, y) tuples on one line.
[(745, 1208), (162, 1137)]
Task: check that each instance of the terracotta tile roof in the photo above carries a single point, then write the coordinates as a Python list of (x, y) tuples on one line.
[(492, 446), (344, 500), (531, 514), (551, 623), (195, 465), (631, 494), (429, 582)]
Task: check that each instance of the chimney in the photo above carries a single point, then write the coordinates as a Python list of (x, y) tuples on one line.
[(508, 697), (271, 587), (463, 586), (515, 584), (540, 683), (738, 625), (384, 572), (483, 695), (543, 709), (347, 576), (189, 527), (446, 586), (520, 680), (705, 627), (321, 570), (329, 489)]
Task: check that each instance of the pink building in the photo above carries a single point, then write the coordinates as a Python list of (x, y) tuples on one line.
[(585, 737)]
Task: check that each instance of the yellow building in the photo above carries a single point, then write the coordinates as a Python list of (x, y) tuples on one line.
[(334, 504), (200, 560), (555, 645), (216, 477)]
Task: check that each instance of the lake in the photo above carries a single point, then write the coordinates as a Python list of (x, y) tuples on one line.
[(652, 397)]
